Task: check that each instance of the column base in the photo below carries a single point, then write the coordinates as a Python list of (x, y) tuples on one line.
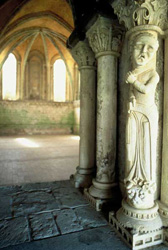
[(102, 190), (139, 220), (95, 202), (136, 240), (139, 228), (82, 178), (163, 211)]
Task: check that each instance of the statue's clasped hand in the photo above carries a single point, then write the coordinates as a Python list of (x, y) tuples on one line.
[(130, 78)]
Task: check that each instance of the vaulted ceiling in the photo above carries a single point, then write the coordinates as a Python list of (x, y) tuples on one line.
[(34, 25)]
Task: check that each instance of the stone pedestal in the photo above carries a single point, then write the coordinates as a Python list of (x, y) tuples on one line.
[(105, 47), (86, 61)]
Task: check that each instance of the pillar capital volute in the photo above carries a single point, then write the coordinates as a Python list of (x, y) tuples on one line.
[(141, 12), (102, 39), (83, 55)]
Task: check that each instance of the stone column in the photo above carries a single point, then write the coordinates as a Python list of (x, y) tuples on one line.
[(105, 47), (1, 84), (163, 205), (86, 61), (138, 221)]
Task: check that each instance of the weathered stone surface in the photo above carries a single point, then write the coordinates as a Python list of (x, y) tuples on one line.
[(6, 200), (9, 190), (5, 209), (44, 186), (47, 186), (67, 221), (88, 218), (72, 201), (69, 197), (33, 202), (59, 192), (95, 239), (43, 226), (13, 231), (14, 119)]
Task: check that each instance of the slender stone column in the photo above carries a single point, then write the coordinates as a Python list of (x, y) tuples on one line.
[(163, 205), (105, 47), (86, 61), (1, 84)]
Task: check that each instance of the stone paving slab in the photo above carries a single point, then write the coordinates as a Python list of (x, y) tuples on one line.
[(89, 218), (67, 221), (5, 207), (69, 197), (26, 203), (61, 191), (43, 226), (73, 200), (95, 239), (14, 231), (46, 186)]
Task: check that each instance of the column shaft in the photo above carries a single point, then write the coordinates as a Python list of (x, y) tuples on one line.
[(105, 45), (1, 84), (106, 115), (86, 61), (106, 127), (164, 180), (87, 121)]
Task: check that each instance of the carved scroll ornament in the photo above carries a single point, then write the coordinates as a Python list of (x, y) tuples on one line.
[(141, 12)]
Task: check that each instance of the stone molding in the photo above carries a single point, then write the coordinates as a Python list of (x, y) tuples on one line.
[(83, 55), (141, 12), (144, 214), (101, 38)]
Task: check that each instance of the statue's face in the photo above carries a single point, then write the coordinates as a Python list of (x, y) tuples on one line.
[(144, 50)]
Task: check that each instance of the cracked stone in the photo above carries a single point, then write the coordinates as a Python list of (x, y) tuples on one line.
[(14, 231), (69, 197), (72, 201), (25, 203), (43, 226), (89, 218), (67, 221)]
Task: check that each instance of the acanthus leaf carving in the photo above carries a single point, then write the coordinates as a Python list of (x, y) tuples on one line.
[(83, 54), (146, 12), (100, 36)]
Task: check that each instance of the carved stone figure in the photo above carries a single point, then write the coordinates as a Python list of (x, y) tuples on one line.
[(142, 124)]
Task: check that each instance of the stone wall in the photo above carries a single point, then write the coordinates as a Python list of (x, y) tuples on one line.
[(36, 117)]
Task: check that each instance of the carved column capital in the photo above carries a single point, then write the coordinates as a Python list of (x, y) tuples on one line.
[(101, 37), (141, 12), (83, 55)]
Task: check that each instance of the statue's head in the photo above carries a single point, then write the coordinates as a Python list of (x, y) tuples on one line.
[(144, 48)]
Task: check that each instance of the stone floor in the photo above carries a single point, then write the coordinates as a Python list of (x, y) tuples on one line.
[(53, 216), (38, 158)]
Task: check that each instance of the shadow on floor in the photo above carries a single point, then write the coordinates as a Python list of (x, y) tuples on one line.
[(52, 216)]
